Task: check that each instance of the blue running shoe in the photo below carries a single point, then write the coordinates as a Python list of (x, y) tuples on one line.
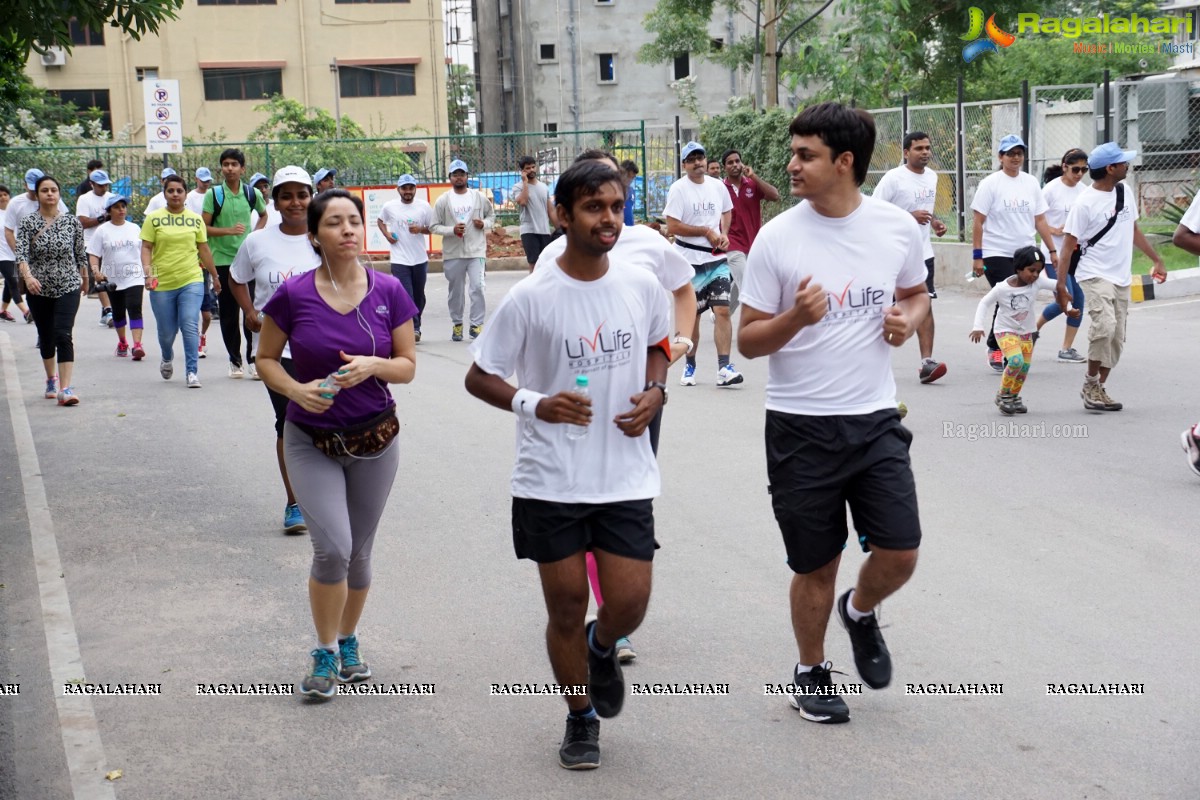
[(293, 520), (354, 669), (321, 682), (689, 375)]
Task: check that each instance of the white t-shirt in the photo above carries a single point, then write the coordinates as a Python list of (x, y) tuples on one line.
[(841, 365), (397, 215), (274, 217), (269, 257), (1191, 218), (698, 204), (21, 207), (1059, 199), (911, 191), (119, 248), (551, 328), (158, 201), (642, 247), (1110, 258), (6, 253), (90, 204), (1010, 205), (194, 202), (1016, 306)]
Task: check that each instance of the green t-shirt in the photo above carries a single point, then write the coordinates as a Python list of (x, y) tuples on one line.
[(174, 261), (234, 209)]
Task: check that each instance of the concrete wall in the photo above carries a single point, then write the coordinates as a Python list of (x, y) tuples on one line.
[(306, 35)]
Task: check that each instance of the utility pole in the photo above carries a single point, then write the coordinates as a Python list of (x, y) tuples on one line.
[(770, 55), (337, 99)]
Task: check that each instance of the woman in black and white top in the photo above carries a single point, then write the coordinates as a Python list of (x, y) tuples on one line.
[(52, 260)]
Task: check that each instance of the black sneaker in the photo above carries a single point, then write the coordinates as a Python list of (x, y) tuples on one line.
[(815, 698), (871, 655), (606, 684), (581, 744)]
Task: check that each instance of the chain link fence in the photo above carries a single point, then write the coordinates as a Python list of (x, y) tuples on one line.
[(492, 160)]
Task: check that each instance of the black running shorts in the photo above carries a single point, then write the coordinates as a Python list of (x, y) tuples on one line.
[(819, 465), (545, 531), (279, 402)]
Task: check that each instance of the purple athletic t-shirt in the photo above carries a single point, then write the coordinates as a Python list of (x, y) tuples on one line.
[(316, 333)]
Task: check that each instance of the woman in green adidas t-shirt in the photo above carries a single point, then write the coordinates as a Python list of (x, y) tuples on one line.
[(172, 238)]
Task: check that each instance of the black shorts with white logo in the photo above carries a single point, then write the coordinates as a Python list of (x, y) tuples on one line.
[(819, 465), (545, 531)]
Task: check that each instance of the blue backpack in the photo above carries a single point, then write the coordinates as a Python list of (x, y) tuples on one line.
[(219, 198)]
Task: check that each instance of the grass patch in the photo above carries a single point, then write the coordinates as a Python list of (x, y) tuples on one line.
[(1172, 257)]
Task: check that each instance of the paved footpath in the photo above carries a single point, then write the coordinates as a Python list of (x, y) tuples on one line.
[(140, 543)]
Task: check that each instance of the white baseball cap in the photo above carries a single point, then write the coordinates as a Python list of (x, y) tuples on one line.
[(291, 174)]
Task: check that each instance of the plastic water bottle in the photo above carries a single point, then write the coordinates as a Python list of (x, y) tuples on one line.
[(971, 276), (581, 389), (330, 383)]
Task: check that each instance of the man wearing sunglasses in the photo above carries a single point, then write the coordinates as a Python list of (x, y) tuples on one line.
[(1008, 208)]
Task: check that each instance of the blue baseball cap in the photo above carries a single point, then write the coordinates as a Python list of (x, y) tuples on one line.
[(32, 177), (1108, 154), (204, 174), (689, 148), (99, 176), (1011, 141), (257, 178), (166, 173), (406, 180), (113, 199), (456, 165), (322, 174)]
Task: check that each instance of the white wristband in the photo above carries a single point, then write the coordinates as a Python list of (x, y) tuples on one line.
[(525, 401), (684, 340)]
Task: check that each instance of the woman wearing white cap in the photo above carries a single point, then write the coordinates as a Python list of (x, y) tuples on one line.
[(115, 254), (265, 260)]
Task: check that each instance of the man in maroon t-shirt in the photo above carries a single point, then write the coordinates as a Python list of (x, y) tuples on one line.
[(748, 192)]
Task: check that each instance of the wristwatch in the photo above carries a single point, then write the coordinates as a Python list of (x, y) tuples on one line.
[(656, 385)]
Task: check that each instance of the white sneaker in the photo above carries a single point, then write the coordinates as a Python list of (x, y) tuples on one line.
[(728, 376), (193, 380), (235, 371), (203, 351), (688, 378), (252, 371), (166, 369)]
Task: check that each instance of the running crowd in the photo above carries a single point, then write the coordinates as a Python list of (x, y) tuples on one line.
[(589, 336)]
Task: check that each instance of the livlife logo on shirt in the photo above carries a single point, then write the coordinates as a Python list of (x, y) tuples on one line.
[(921, 195), (853, 303), (704, 208), (601, 348), (1017, 206), (279, 276)]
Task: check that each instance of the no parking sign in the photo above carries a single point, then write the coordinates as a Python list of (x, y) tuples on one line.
[(164, 133)]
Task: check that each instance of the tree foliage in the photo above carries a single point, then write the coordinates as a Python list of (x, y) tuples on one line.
[(290, 119), (760, 137), (460, 98)]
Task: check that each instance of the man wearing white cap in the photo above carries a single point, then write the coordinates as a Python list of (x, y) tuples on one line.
[(263, 185), (1103, 225), (195, 199), (324, 179), (699, 212), (91, 209), (1008, 206), (159, 200), (462, 218), (405, 223), (195, 202)]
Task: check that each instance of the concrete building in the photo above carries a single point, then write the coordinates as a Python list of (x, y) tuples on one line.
[(560, 65), (390, 71)]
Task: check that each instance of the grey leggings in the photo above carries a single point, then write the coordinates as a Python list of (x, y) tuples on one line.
[(342, 500)]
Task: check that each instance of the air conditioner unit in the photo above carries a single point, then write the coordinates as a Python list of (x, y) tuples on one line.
[(54, 57)]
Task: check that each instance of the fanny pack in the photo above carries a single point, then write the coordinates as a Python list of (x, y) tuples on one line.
[(689, 246), (1082, 248), (364, 439)]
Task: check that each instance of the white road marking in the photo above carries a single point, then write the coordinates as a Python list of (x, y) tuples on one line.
[(76, 717)]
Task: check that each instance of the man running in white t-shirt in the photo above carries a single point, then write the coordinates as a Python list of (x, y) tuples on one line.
[(585, 476), (1008, 208), (699, 212), (828, 315), (405, 223), (913, 187), (90, 208)]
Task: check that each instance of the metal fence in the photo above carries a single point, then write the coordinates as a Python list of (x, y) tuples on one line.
[(1153, 115), (492, 159)]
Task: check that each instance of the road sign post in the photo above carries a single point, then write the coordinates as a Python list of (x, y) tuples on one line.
[(164, 128)]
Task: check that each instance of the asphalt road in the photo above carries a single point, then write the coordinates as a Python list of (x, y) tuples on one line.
[(1045, 561)]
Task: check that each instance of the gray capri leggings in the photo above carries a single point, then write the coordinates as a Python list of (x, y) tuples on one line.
[(342, 500)]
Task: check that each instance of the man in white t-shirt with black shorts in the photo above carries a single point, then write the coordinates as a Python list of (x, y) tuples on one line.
[(1008, 207), (699, 212), (405, 223), (828, 315), (913, 187), (585, 476)]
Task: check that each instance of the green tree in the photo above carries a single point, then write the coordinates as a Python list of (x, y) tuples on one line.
[(460, 98), (290, 119), (760, 137)]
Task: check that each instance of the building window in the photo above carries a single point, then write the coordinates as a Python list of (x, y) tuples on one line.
[(683, 66), (546, 52), (85, 36), (235, 2), (85, 99), (242, 84), (147, 74), (383, 80), (717, 44), (342, 2), (550, 128), (604, 2), (608, 67)]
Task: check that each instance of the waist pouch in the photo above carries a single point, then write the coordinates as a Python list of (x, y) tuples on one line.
[(363, 439)]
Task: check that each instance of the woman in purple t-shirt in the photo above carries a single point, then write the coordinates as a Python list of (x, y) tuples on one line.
[(351, 334)]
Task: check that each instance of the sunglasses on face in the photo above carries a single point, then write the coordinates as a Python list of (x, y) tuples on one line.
[(1077, 170), (694, 159)]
